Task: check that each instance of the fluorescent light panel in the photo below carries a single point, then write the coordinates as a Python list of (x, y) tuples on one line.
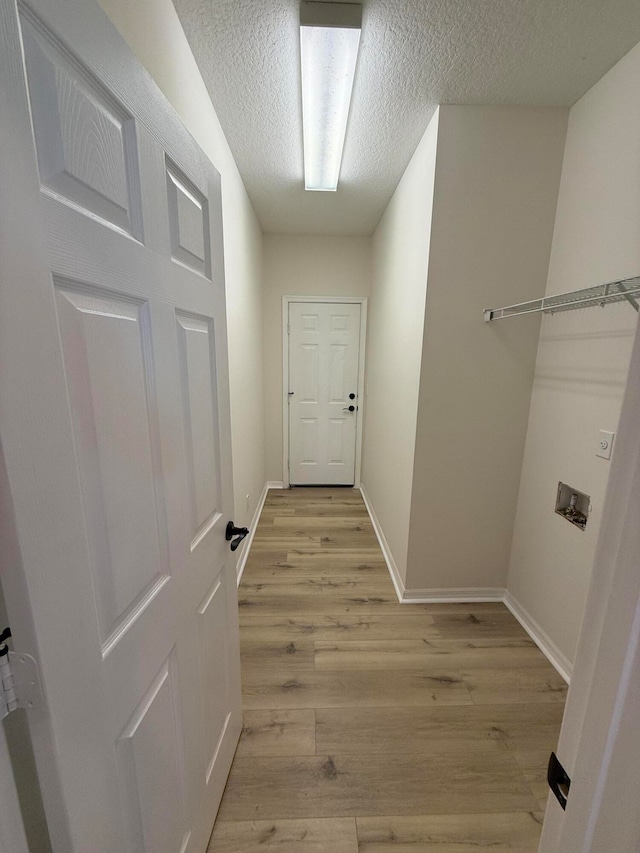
[(328, 52)]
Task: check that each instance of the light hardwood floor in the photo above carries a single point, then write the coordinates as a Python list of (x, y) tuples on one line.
[(373, 726)]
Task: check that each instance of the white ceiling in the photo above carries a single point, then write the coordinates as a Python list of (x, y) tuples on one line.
[(414, 55)]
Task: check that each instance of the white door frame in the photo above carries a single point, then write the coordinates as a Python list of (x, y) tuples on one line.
[(354, 300), (598, 739)]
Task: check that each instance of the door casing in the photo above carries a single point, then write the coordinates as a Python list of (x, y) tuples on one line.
[(598, 740), (338, 300)]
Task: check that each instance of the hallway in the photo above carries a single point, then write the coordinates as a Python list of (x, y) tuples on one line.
[(369, 725)]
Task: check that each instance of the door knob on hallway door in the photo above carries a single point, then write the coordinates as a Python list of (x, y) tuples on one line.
[(239, 532), (349, 409)]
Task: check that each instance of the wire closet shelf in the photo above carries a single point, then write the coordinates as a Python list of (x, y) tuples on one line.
[(602, 294)]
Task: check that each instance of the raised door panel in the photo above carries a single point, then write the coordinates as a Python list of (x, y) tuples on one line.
[(339, 322), (188, 222), (85, 140), (150, 760), (309, 324), (198, 379), (306, 378), (213, 646), (337, 379), (308, 374), (339, 441), (108, 369), (343, 343), (309, 440)]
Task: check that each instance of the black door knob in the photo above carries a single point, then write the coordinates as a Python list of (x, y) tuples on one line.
[(352, 396), (238, 532)]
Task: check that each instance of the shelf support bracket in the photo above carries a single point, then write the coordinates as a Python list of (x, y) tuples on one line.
[(627, 296)]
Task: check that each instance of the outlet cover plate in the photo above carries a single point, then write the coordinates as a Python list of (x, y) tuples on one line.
[(605, 444)]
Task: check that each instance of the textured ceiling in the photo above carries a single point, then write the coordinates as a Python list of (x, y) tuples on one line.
[(414, 55)]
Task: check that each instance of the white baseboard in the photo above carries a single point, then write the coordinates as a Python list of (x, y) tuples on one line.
[(246, 545), (397, 581), (274, 484), (455, 595), (540, 637)]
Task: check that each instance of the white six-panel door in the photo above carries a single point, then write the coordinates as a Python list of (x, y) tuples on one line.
[(114, 426), (324, 341)]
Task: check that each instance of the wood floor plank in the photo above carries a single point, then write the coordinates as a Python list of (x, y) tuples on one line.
[(378, 626), (332, 603), (320, 835), (257, 558), (512, 833), (315, 494), (361, 585), (527, 733), (337, 521), (463, 607), (278, 732), (365, 562), (281, 587), (283, 569), (274, 688), (343, 521), (516, 686), (307, 562), (266, 543), (315, 581), (372, 654), (292, 655), (454, 626), (432, 654), (332, 510), (345, 556), (485, 779)]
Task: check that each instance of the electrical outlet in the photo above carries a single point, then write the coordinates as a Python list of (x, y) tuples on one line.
[(605, 444), (248, 499)]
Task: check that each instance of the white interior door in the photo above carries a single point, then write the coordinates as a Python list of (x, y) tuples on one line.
[(114, 426), (324, 343)]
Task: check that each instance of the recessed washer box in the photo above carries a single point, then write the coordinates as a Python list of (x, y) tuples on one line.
[(573, 505)]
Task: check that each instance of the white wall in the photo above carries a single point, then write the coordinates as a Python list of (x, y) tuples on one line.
[(496, 188), (583, 356), (302, 265), (153, 31), (394, 346)]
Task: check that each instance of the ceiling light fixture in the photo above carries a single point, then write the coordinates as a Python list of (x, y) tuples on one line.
[(329, 39)]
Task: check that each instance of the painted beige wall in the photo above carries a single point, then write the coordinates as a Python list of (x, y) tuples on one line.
[(302, 265), (497, 177), (394, 347), (153, 31), (583, 356)]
